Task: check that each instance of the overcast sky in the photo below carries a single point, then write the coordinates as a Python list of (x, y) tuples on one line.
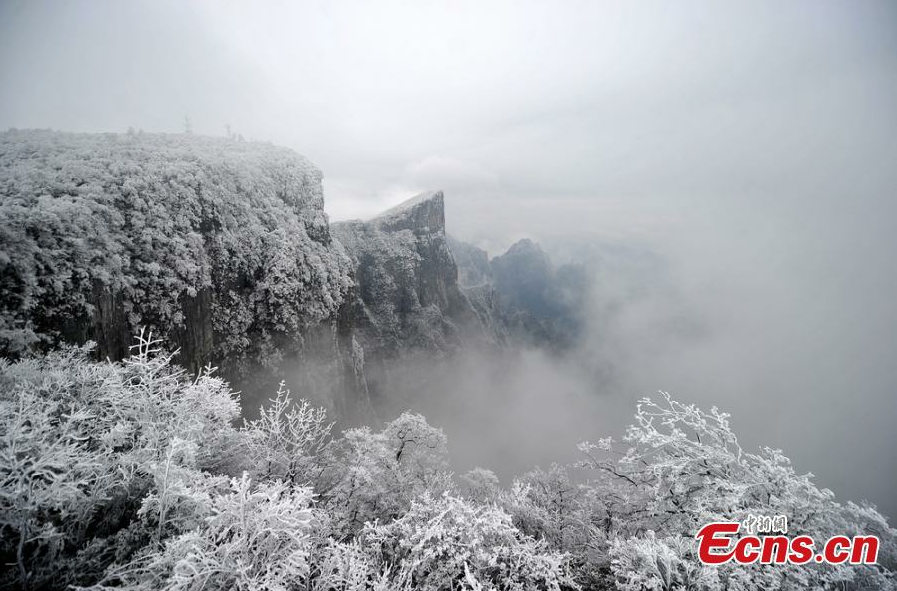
[(754, 145)]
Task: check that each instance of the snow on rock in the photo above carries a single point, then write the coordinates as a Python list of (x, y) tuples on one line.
[(423, 214), (220, 246), (407, 293)]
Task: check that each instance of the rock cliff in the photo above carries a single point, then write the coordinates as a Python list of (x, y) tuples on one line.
[(406, 300), (407, 293), (223, 250), (219, 247)]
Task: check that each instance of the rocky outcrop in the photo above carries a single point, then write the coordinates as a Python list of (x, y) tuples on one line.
[(406, 302), (222, 249), (219, 247), (474, 268), (407, 294)]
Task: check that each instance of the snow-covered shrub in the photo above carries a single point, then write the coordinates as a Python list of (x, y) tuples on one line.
[(447, 542), (125, 475), (684, 468), (287, 440), (649, 563), (179, 498), (255, 538), (546, 504), (349, 566), (550, 506), (51, 479), (481, 485), (85, 445), (375, 475)]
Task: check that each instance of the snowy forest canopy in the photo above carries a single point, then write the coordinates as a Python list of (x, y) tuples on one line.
[(132, 475), (121, 231)]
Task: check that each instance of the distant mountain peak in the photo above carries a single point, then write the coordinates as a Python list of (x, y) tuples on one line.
[(423, 213), (432, 198), (524, 245)]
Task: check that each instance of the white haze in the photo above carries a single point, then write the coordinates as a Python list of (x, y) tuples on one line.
[(751, 146)]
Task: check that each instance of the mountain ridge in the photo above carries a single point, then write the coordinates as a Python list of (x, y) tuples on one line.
[(223, 248)]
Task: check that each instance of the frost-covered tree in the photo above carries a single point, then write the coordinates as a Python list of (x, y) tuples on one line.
[(255, 537), (447, 542), (287, 440), (684, 468), (85, 445), (376, 475), (551, 505), (221, 247), (133, 475), (646, 562)]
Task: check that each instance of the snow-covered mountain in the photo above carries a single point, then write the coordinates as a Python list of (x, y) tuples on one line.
[(407, 293), (222, 248)]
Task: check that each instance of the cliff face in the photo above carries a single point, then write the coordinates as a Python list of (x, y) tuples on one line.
[(219, 247), (407, 293), (222, 249)]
